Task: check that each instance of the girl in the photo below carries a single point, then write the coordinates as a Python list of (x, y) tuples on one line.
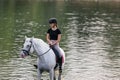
[(53, 37)]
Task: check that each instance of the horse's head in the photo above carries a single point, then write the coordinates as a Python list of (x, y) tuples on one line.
[(27, 47)]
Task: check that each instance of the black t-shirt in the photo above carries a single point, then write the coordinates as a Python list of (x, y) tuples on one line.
[(53, 33)]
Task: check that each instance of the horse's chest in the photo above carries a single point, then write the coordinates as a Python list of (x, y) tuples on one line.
[(44, 67)]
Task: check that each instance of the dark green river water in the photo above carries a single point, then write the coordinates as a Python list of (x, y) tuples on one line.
[(90, 37)]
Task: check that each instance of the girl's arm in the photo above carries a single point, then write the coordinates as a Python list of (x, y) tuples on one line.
[(59, 38), (48, 39)]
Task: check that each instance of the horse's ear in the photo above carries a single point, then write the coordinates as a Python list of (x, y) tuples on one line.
[(25, 37), (32, 38)]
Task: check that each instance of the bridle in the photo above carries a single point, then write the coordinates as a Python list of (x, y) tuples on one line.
[(27, 52)]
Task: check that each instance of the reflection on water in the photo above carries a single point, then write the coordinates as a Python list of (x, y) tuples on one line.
[(91, 35)]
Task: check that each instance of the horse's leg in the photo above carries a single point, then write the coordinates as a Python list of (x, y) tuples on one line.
[(39, 74), (54, 75), (60, 73), (59, 77), (51, 74)]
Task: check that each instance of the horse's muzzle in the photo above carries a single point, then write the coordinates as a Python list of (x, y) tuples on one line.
[(24, 53)]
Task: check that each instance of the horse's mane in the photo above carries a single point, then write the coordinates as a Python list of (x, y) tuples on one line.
[(40, 41), (40, 45)]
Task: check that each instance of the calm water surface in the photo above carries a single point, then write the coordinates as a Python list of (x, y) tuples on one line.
[(90, 37)]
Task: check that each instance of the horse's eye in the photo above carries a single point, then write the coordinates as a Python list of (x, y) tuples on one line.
[(28, 46)]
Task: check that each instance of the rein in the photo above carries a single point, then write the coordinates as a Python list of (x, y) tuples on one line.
[(41, 54), (45, 52)]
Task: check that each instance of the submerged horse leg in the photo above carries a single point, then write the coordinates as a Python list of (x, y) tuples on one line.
[(39, 73), (60, 69), (59, 77), (54, 75), (51, 74)]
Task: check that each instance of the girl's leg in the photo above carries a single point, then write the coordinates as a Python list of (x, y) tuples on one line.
[(57, 48)]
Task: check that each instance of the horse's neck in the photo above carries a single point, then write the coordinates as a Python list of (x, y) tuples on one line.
[(40, 46)]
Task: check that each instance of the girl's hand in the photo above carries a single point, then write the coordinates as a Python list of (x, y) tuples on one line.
[(56, 42), (50, 43)]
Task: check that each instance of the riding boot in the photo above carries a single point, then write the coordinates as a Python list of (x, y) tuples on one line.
[(60, 65)]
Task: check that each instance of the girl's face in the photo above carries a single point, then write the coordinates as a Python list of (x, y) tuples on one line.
[(52, 25)]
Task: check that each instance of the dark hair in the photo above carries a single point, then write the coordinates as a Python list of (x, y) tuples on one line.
[(53, 20)]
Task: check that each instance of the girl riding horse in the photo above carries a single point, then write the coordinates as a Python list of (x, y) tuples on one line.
[(53, 37)]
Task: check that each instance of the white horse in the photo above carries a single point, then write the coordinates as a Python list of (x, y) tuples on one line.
[(46, 60)]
